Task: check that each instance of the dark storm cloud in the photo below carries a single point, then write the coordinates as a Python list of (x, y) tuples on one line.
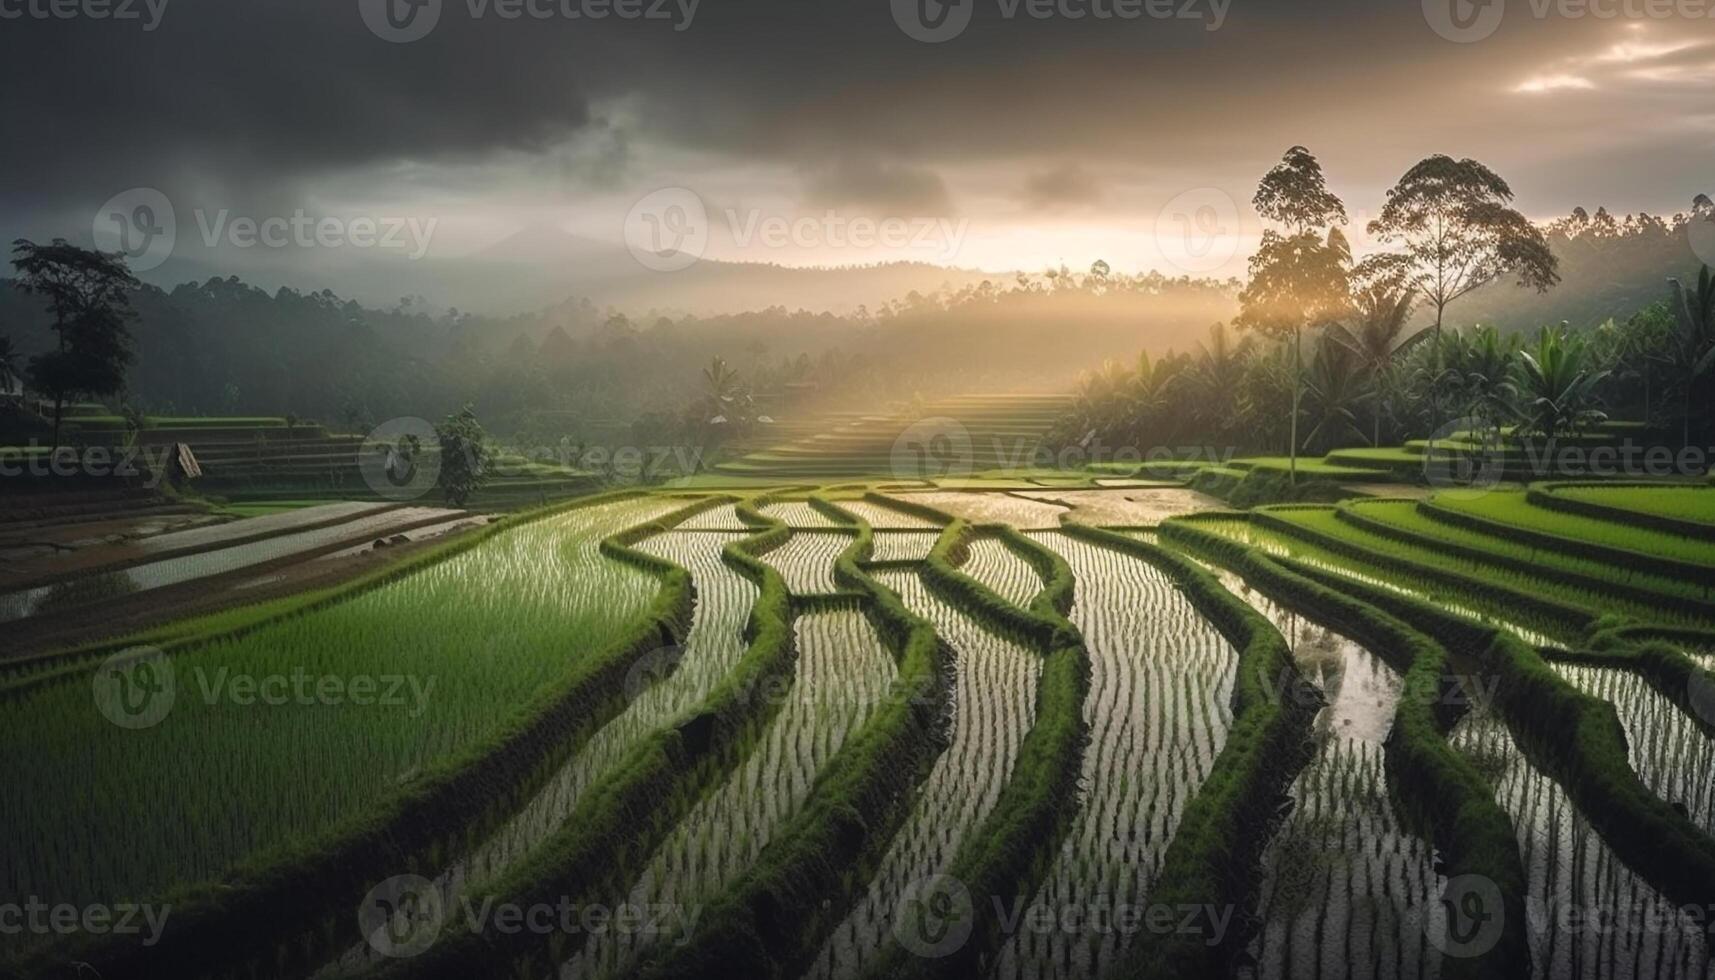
[(877, 187), (1064, 186), (277, 97)]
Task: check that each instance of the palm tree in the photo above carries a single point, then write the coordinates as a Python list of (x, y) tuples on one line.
[(1691, 351), (1381, 313), (1214, 379), (1334, 390), (1484, 374), (1152, 386), (1557, 385)]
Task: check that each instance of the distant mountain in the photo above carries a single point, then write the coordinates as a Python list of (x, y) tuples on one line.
[(543, 265)]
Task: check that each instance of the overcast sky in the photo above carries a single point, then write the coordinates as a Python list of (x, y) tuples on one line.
[(1021, 138)]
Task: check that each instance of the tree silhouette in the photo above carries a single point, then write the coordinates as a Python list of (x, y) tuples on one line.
[(88, 295), (1458, 231), (1298, 278)]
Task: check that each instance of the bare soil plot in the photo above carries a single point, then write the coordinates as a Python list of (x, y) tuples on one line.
[(990, 508), (1127, 507)]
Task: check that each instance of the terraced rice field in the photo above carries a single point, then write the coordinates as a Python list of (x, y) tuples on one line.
[(882, 517), (1331, 878), (994, 696), (1126, 507), (903, 545), (806, 560), (216, 561), (1161, 680), (1574, 878), (1671, 754), (1345, 884), (1000, 568), (990, 508), (225, 774), (843, 673)]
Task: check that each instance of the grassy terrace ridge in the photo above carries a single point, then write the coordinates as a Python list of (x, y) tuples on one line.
[(1512, 513), (772, 921), (619, 821), (1403, 520), (1010, 852), (1675, 508), (1568, 602), (273, 909), (1441, 792), (1212, 858), (1574, 738)]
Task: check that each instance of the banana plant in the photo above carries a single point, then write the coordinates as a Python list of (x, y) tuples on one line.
[(1691, 348), (1557, 385)]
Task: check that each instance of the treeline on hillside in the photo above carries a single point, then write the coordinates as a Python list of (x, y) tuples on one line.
[(225, 347)]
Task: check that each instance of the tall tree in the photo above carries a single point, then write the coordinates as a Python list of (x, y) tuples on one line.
[(89, 296), (1298, 277), (1458, 230), (465, 456)]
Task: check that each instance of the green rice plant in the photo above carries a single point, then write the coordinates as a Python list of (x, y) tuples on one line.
[(1591, 916), (994, 684), (1443, 797), (1513, 512), (774, 920), (1346, 883), (1000, 568), (799, 514), (1573, 737), (806, 560), (1403, 520), (1673, 757), (903, 546), (843, 674), (884, 518), (1576, 606), (634, 796), (1158, 712), (1676, 508), (541, 589), (507, 712)]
